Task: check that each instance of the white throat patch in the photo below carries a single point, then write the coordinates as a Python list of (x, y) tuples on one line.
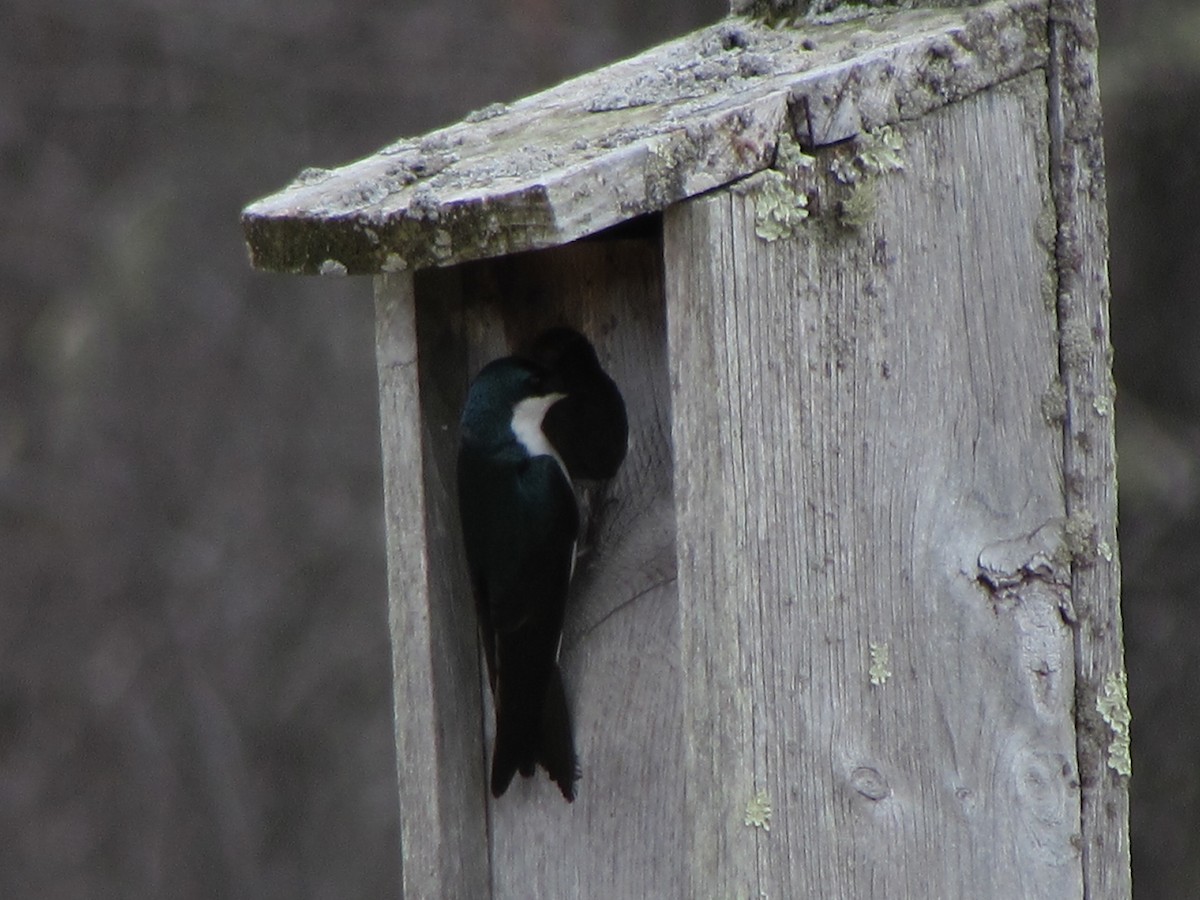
[(527, 426)]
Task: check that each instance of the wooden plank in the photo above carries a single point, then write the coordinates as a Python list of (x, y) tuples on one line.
[(1089, 453), (443, 836), (622, 835), (634, 137), (791, 11), (867, 490)]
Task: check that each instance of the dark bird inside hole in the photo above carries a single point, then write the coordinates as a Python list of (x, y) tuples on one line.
[(532, 423)]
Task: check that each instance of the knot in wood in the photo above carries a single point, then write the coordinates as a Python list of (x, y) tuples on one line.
[(870, 783)]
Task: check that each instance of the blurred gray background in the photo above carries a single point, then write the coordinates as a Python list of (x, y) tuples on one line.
[(194, 670)]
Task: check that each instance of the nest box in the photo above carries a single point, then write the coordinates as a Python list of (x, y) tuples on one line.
[(846, 623)]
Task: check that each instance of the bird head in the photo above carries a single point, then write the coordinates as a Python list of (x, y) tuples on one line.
[(505, 407)]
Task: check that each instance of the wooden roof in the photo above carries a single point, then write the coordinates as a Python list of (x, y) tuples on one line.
[(631, 138)]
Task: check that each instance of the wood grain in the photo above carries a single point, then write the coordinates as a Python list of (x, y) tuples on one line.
[(1089, 453), (438, 749), (857, 431)]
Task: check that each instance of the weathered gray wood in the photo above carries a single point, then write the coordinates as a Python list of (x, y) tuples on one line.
[(1090, 456), (437, 746), (866, 486), (781, 11), (623, 835), (634, 137), (889, 593), (769, 9)]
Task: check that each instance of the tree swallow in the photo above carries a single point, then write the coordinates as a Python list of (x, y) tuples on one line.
[(530, 424)]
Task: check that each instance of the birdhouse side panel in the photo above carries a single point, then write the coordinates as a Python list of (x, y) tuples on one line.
[(874, 590)]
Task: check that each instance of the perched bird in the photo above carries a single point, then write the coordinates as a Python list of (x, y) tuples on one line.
[(520, 526)]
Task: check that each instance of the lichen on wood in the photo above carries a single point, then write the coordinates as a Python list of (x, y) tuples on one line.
[(678, 120), (1113, 705), (758, 811)]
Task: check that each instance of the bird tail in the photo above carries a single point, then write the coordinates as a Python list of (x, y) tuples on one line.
[(556, 751), (527, 737)]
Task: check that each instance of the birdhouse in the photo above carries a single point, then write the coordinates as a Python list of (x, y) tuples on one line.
[(846, 621)]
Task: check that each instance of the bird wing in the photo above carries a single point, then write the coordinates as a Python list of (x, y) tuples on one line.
[(525, 573), (529, 569), (520, 523)]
